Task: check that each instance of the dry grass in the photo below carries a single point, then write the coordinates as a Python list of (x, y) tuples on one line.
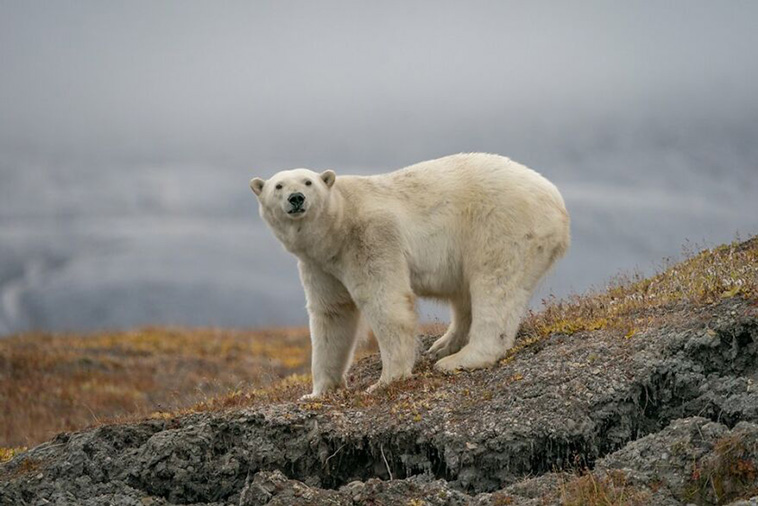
[(729, 473), (629, 305), (51, 383), (632, 303), (608, 489)]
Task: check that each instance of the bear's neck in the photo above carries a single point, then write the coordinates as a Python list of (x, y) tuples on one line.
[(321, 238)]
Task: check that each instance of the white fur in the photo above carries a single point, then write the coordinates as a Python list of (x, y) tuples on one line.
[(477, 230)]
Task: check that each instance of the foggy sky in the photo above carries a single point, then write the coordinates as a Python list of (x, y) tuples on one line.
[(357, 82), (129, 132)]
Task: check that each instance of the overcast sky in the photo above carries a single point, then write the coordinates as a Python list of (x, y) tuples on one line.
[(356, 81), (129, 131)]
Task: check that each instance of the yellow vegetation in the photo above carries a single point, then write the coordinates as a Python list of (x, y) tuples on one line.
[(8, 453), (50, 383), (631, 303)]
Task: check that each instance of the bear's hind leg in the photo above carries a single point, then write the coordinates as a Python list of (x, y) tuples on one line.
[(496, 311), (499, 298), (457, 334)]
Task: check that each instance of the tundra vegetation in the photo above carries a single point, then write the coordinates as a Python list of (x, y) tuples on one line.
[(640, 392)]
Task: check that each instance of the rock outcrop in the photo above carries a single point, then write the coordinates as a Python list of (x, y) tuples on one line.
[(640, 413)]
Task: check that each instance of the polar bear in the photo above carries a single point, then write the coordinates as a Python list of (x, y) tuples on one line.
[(476, 230)]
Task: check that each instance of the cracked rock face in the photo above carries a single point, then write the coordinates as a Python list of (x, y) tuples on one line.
[(634, 412)]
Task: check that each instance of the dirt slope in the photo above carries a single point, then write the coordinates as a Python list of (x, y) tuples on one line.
[(666, 414)]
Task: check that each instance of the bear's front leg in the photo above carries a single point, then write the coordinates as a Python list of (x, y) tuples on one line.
[(333, 338), (376, 273), (392, 317), (334, 321)]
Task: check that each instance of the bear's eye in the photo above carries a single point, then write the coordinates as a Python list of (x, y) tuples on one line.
[(278, 187), (308, 182)]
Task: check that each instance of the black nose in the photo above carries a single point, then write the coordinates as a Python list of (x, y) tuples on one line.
[(296, 199)]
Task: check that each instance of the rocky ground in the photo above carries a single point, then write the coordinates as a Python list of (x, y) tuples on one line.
[(667, 416), (664, 415)]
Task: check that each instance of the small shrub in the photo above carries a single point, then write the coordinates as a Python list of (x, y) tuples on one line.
[(729, 473), (609, 489)]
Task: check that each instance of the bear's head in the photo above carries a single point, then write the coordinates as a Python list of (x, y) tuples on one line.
[(293, 195)]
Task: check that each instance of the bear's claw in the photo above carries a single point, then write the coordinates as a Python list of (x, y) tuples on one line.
[(378, 386), (464, 359), (443, 347)]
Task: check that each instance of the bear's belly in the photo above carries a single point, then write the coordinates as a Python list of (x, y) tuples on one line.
[(429, 285), (436, 274)]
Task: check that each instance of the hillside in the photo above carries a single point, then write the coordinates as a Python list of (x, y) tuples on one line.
[(642, 394), (55, 382)]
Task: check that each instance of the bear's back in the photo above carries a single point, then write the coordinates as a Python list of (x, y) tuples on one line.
[(467, 181)]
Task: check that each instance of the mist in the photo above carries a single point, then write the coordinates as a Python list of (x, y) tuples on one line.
[(129, 132)]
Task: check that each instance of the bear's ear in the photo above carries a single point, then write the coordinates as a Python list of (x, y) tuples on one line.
[(328, 177), (256, 184)]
